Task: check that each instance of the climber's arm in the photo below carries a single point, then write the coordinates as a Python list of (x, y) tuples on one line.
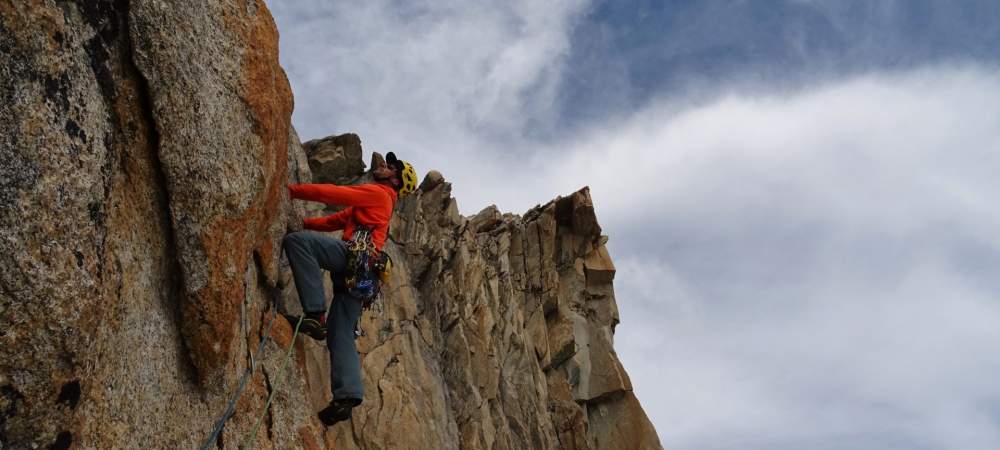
[(333, 222), (363, 195)]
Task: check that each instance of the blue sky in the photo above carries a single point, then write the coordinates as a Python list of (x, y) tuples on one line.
[(623, 52), (799, 194)]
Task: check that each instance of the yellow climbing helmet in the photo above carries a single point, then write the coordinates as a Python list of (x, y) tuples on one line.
[(407, 174)]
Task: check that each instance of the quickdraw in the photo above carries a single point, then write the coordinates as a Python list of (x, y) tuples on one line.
[(368, 267)]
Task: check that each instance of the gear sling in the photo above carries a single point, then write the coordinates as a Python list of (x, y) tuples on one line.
[(367, 268)]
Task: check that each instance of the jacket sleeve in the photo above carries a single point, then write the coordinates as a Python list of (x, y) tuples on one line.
[(363, 195), (333, 222)]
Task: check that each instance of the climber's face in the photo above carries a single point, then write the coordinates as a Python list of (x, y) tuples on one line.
[(386, 173)]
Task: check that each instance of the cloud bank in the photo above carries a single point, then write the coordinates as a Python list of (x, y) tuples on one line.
[(819, 270)]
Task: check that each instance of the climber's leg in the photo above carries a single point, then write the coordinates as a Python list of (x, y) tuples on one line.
[(345, 365), (309, 252)]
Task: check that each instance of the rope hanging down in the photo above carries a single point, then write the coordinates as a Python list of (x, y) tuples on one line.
[(284, 365), (231, 406)]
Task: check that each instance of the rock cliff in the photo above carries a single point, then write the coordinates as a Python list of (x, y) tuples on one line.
[(144, 149)]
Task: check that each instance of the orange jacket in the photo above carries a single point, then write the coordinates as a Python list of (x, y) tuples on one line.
[(369, 204)]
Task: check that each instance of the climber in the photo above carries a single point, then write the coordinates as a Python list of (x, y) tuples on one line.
[(368, 214)]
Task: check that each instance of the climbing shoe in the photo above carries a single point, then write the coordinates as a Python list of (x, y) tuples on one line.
[(338, 410), (313, 325)]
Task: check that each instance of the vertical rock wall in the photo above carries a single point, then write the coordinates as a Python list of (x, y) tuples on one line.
[(221, 105), (144, 148)]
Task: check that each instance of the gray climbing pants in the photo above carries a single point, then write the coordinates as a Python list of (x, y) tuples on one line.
[(309, 253)]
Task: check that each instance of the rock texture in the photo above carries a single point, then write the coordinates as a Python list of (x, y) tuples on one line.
[(144, 149), (335, 159), (518, 313)]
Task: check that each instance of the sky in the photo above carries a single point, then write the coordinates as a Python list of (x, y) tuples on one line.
[(799, 194)]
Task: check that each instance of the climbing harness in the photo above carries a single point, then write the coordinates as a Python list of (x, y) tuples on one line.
[(367, 267)]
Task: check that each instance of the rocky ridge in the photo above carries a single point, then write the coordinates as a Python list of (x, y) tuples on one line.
[(144, 149)]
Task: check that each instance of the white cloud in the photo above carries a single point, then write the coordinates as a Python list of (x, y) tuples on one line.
[(428, 79), (913, 363), (877, 136), (830, 260)]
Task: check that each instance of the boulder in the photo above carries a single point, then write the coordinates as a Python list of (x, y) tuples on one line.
[(335, 159)]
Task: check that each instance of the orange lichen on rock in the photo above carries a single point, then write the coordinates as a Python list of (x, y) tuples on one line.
[(309, 439), (282, 332), (230, 241)]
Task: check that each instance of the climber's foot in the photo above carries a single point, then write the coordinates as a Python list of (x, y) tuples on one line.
[(338, 410), (313, 325)]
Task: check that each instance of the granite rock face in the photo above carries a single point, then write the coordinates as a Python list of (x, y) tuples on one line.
[(144, 149), (208, 63)]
